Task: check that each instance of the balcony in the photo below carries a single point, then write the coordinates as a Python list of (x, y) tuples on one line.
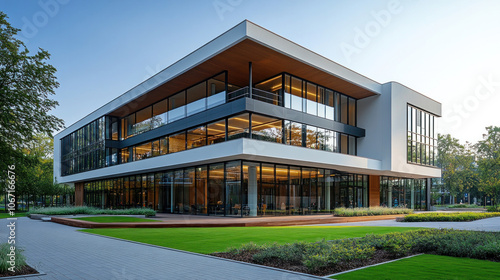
[(257, 94)]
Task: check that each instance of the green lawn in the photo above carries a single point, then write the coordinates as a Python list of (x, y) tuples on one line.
[(115, 219), (428, 267), (6, 215), (209, 240)]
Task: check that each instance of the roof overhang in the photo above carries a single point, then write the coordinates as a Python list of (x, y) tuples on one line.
[(269, 53)]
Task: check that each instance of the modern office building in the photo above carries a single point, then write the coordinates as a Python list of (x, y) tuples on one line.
[(253, 124)]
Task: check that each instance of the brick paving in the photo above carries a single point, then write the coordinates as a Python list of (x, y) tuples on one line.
[(64, 253)]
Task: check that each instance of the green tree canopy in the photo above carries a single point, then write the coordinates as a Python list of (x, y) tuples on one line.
[(458, 165), (488, 151), (26, 84)]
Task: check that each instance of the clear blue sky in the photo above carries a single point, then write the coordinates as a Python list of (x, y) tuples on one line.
[(445, 49)]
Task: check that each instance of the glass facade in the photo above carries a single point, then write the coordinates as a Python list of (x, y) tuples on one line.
[(311, 98), (421, 138), (262, 128), (402, 192), (85, 149), (234, 188), (204, 95)]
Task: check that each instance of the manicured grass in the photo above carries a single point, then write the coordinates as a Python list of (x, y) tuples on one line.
[(449, 217), (115, 219), (428, 267), (209, 240), (18, 214)]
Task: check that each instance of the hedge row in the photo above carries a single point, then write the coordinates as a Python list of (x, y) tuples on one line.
[(448, 217), (91, 211), (329, 255), (463, 206), (372, 211), (493, 208)]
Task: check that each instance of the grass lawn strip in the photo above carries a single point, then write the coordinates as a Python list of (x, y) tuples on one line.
[(210, 240), (17, 215), (115, 219), (428, 267)]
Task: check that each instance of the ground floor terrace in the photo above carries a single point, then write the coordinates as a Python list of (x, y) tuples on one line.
[(246, 189)]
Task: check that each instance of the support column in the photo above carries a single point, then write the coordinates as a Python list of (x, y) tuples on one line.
[(374, 190), (428, 186), (327, 195), (79, 194), (389, 194), (172, 200), (252, 190), (250, 79), (412, 202)]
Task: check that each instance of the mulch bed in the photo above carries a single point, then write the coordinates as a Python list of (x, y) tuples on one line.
[(25, 270), (378, 257)]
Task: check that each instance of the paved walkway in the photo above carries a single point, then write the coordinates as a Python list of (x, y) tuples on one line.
[(490, 224), (64, 253)]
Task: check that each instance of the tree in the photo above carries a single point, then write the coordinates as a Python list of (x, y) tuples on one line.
[(488, 162), (26, 83), (458, 165)]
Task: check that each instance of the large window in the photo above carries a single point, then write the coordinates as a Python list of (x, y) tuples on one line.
[(197, 98), (196, 137), (403, 192), (421, 140), (84, 149), (266, 128), (311, 98), (262, 128), (238, 126), (248, 188), (216, 132), (177, 142)]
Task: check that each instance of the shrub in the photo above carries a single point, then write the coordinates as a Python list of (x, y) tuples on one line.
[(493, 208), (91, 211), (448, 217), (463, 206), (4, 265), (372, 211), (329, 255)]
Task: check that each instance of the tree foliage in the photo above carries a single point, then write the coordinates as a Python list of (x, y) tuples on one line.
[(458, 165), (488, 151), (26, 84)]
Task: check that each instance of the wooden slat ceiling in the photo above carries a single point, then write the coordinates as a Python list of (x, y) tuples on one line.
[(265, 62)]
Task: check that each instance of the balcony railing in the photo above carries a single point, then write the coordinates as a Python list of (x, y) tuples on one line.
[(258, 94)]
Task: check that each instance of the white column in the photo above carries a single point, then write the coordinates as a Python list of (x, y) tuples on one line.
[(252, 190), (389, 195)]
